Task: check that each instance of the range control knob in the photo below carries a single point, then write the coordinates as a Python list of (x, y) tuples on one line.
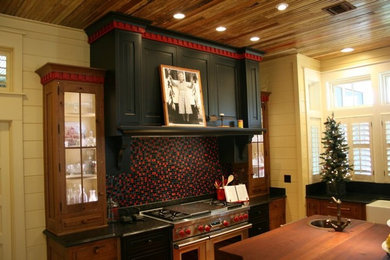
[(245, 216), (188, 231), (200, 228), (181, 233), (225, 223), (235, 219), (241, 217), (207, 228)]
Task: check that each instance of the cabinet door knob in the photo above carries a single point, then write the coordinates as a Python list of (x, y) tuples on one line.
[(97, 249)]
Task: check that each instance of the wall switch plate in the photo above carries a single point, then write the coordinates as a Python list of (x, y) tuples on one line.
[(287, 178)]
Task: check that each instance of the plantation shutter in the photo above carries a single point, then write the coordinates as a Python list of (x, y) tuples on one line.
[(361, 148)]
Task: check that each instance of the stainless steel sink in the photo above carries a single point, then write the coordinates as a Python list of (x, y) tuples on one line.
[(326, 224), (319, 223)]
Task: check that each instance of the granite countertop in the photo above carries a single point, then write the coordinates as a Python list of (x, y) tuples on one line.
[(358, 192), (364, 198), (112, 230), (275, 193), (146, 224)]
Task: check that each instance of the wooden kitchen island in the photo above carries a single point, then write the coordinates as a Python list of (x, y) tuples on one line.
[(298, 240)]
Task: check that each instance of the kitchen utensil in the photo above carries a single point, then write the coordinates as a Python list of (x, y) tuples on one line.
[(230, 179), (223, 181)]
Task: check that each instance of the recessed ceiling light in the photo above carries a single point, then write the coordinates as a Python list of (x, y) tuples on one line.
[(347, 50), (220, 29), (282, 6), (179, 16), (254, 38)]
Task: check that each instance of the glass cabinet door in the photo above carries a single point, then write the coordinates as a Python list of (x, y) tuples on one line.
[(80, 148), (258, 156)]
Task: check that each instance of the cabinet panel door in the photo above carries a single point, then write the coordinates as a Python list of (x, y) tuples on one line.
[(104, 249), (223, 96), (153, 55), (277, 213), (313, 207), (128, 78), (253, 94), (198, 61)]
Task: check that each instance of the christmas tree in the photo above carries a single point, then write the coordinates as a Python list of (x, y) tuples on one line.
[(335, 164)]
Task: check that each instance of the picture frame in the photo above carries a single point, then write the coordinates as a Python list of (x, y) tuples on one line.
[(182, 97)]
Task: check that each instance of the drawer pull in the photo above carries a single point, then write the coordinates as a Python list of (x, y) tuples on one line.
[(84, 221), (345, 209), (97, 249), (150, 241)]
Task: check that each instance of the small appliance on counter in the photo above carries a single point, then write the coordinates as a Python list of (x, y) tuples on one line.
[(378, 211)]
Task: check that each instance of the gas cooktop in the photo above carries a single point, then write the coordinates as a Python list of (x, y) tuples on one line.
[(191, 210)]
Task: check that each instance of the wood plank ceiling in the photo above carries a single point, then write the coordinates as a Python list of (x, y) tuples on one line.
[(304, 27)]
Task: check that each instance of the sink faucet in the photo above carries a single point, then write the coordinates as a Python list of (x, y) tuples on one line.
[(339, 225)]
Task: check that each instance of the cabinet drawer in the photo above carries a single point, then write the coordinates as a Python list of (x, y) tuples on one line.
[(83, 221), (106, 249), (146, 244), (258, 228), (348, 209), (258, 213)]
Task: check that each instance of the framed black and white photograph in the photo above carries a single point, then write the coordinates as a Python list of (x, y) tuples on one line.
[(182, 96)]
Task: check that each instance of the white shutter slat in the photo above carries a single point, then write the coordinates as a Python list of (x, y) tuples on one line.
[(361, 140)]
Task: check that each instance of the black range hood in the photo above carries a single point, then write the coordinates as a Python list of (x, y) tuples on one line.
[(161, 131)]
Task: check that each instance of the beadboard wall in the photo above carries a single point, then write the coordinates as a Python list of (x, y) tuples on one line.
[(32, 45)]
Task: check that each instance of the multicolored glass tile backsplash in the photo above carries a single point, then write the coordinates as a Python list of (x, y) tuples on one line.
[(167, 168)]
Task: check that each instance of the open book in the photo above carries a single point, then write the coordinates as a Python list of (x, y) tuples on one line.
[(236, 193)]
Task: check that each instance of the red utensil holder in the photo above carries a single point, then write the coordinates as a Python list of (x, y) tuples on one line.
[(221, 194)]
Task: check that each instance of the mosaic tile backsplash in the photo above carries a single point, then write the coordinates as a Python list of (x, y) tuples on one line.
[(167, 168)]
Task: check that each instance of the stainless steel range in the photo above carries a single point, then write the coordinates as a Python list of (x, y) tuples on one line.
[(201, 227)]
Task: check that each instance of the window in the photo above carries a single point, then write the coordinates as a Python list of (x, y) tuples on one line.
[(3, 71), (361, 148), (352, 94), (358, 135), (385, 87), (257, 146), (386, 128), (315, 147)]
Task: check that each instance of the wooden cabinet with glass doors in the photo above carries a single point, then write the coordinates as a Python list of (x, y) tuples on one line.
[(73, 148)]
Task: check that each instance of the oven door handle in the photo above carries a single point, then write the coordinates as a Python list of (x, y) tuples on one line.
[(249, 225), (181, 245)]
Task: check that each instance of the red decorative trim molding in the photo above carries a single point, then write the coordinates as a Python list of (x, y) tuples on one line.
[(170, 40), (54, 75), (253, 57), (191, 45), (115, 25)]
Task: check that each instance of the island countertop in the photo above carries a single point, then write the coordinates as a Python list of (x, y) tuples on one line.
[(298, 240)]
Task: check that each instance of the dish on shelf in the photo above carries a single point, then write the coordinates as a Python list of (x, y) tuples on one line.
[(388, 222), (384, 246)]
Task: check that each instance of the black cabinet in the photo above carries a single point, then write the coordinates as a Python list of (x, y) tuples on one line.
[(259, 217), (131, 51), (119, 52), (126, 80), (224, 89), (197, 60), (153, 55), (147, 246), (251, 103)]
